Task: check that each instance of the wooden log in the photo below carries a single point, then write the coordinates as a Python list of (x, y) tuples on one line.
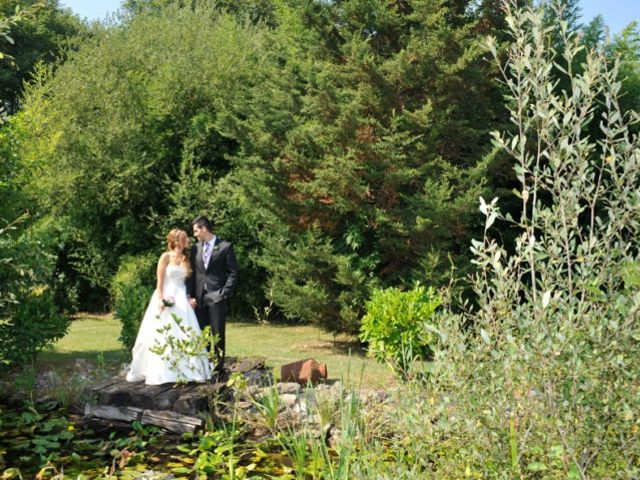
[(116, 393), (110, 412), (192, 402), (166, 399), (172, 421), (245, 365), (107, 382), (102, 425), (145, 396)]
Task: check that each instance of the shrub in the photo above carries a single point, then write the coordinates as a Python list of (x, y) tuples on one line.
[(32, 324), (130, 310), (539, 380), (131, 289), (134, 271), (30, 319), (396, 326)]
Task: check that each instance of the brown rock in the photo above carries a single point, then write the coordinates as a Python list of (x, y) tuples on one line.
[(303, 372)]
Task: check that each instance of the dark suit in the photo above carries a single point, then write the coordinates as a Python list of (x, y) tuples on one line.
[(212, 288)]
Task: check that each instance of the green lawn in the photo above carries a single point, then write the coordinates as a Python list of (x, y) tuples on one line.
[(92, 337)]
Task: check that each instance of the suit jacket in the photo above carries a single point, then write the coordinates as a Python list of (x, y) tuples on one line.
[(220, 278)]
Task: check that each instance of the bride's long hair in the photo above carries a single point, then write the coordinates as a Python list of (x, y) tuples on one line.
[(174, 237)]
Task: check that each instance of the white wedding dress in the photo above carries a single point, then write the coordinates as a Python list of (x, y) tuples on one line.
[(169, 367)]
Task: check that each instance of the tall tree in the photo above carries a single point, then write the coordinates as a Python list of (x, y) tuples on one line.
[(626, 48), (131, 122), (41, 36), (342, 144), (380, 168)]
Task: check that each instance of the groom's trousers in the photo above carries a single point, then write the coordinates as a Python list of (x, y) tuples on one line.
[(214, 314)]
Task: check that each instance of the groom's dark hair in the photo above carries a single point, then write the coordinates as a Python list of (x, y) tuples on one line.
[(202, 221)]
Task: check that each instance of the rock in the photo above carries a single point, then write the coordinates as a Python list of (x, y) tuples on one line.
[(372, 397), (244, 406), (300, 407), (334, 387), (151, 475), (261, 431), (81, 364), (48, 379), (259, 377), (289, 400), (252, 391), (288, 387), (304, 372), (333, 436)]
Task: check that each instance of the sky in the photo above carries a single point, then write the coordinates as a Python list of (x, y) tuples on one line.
[(617, 13), (92, 9)]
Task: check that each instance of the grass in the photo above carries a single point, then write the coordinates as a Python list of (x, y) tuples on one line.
[(89, 336), (95, 337), (281, 344)]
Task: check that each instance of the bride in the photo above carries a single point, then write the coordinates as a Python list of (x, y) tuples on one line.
[(169, 321)]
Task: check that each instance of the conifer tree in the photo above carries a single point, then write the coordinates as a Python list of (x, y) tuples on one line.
[(377, 166)]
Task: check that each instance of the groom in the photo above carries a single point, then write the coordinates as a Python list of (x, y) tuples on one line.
[(213, 280)]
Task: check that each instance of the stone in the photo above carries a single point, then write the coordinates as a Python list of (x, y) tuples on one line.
[(373, 397), (289, 400), (288, 387), (259, 377), (333, 437), (81, 363), (304, 372), (48, 379), (151, 475)]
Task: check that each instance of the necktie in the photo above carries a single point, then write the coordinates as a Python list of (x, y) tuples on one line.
[(206, 254)]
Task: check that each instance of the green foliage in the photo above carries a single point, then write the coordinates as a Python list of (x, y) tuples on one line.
[(43, 441), (304, 273), (134, 271), (131, 289), (31, 325), (245, 11), (130, 310), (626, 49), (332, 142), (538, 380), (8, 268), (335, 146), (340, 145), (398, 326), (363, 158), (31, 318), (48, 435), (150, 152), (13, 200), (43, 32)]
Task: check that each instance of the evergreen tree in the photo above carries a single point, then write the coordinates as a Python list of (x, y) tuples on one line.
[(377, 166), (626, 47)]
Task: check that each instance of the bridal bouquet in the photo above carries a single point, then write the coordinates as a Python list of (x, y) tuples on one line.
[(165, 302)]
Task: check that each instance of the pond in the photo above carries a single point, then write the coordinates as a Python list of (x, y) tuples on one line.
[(44, 441)]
